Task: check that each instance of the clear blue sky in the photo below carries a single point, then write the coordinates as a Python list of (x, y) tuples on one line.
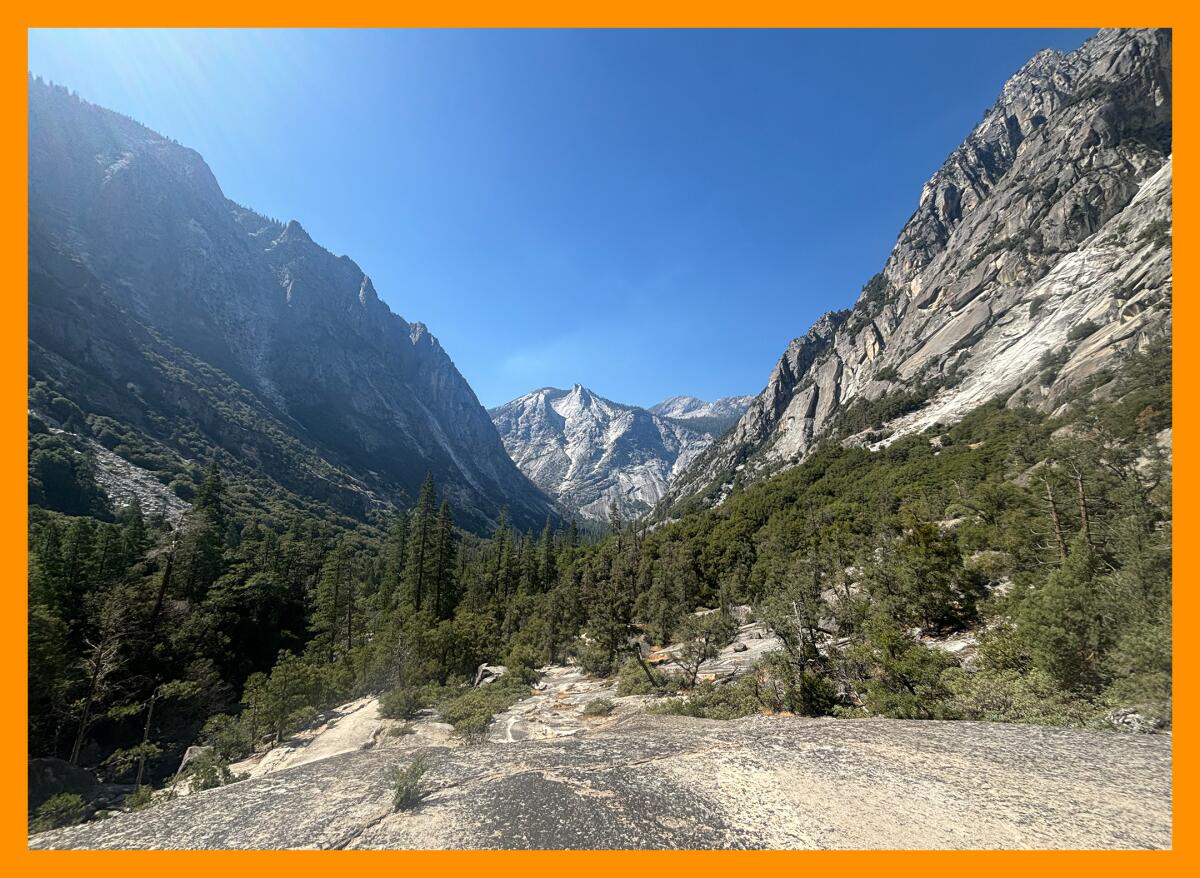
[(649, 213)]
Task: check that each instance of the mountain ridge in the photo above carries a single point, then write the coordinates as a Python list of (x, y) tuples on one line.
[(1052, 216), (588, 451), (205, 328)]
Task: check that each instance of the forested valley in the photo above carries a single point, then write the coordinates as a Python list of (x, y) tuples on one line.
[(1046, 537)]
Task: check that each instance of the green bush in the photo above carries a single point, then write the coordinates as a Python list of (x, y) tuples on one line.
[(631, 680), (408, 790), (404, 702), (142, 797), (65, 809), (471, 713), (714, 701), (1011, 696), (521, 664), (229, 737), (598, 707), (1082, 330), (209, 771), (593, 659)]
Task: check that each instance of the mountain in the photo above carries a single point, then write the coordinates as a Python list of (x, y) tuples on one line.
[(172, 325), (712, 417), (587, 451), (1038, 256)]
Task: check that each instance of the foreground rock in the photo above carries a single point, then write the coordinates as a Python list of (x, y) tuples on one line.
[(675, 782)]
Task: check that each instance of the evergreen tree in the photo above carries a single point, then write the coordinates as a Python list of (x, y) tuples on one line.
[(421, 551)]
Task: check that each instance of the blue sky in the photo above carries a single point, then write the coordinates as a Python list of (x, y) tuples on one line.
[(649, 213)]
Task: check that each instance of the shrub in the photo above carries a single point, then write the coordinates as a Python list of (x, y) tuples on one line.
[(402, 703), (401, 731), (65, 809), (631, 680), (521, 664), (702, 636), (1157, 232), (208, 771), (1082, 330), (406, 781), (714, 701), (598, 707), (228, 736), (1011, 696), (786, 685), (471, 713), (140, 798), (593, 659)]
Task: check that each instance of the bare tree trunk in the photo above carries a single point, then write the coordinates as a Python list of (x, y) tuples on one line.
[(141, 772), (163, 585), (1081, 493), (1054, 520), (99, 660), (637, 653)]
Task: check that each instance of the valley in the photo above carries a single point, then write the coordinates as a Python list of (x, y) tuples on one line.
[(292, 586)]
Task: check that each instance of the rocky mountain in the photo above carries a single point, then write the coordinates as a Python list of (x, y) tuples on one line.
[(174, 325), (712, 417), (1039, 254), (588, 451)]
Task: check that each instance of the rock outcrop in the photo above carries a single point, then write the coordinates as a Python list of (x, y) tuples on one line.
[(588, 452), (207, 330), (682, 783), (1038, 255)]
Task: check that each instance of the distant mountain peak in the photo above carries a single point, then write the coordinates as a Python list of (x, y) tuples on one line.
[(588, 451)]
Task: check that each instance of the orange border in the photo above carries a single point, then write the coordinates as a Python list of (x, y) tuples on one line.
[(541, 13)]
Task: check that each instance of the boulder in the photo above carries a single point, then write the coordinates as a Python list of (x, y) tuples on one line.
[(193, 752), (487, 673)]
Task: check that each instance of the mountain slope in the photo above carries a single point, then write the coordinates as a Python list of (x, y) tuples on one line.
[(711, 417), (588, 451), (1038, 253), (193, 328)]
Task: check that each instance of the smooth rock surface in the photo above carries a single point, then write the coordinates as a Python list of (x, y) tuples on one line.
[(677, 782)]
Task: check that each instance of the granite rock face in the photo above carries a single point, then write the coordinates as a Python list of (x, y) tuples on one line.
[(157, 302), (677, 782), (588, 452), (1038, 255)]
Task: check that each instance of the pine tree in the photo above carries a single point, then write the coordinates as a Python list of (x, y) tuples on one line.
[(444, 596), (547, 558), (331, 601), (420, 549), (210, 499)]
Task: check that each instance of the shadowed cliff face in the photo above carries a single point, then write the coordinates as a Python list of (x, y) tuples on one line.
[(1053, 217), (156, 301)]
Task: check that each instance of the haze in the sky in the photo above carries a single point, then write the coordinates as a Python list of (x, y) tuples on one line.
[(648, 213)]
